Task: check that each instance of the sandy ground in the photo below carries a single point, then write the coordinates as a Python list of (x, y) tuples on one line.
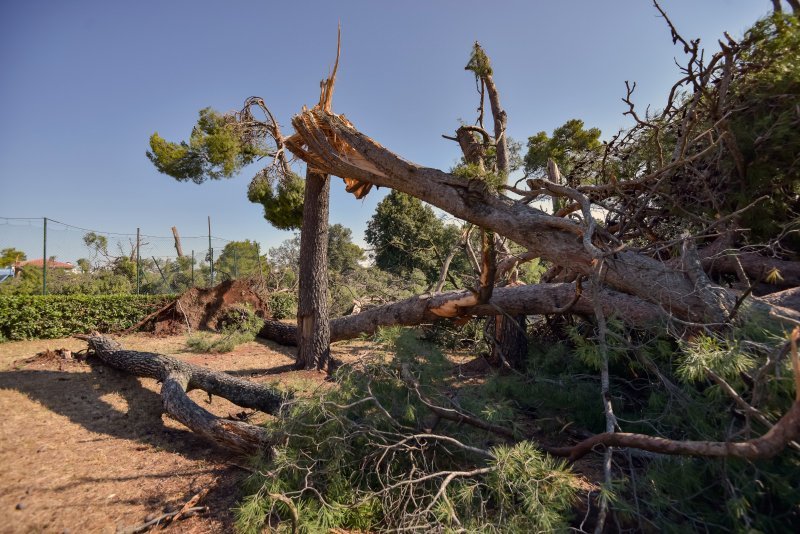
[(85, 448)]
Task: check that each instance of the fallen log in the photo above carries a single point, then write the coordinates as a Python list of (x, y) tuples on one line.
[(538, 299), (331, 144), (178, 377)]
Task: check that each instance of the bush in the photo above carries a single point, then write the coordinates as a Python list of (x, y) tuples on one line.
[(282, 305), (52, 316)]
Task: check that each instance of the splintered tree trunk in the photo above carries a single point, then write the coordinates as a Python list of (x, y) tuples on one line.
[(313, 326), (508, 338)]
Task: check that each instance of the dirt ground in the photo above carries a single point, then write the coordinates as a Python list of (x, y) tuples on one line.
[(85, 448)]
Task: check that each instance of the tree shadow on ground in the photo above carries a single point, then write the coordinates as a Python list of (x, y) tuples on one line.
[(113, 404), (79, 396)]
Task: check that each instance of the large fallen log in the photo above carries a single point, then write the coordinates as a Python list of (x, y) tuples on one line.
[(178, 377), (538, 299), (331, 144)]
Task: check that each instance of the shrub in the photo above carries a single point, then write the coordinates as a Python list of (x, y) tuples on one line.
[(282, 305), (51, 316)]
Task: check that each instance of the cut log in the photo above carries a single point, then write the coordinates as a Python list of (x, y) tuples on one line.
[(178, 377)]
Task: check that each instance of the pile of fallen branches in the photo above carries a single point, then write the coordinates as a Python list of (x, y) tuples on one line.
[(178, 377), (415, 456)]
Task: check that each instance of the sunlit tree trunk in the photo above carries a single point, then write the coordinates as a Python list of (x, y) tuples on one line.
[(313, 326)]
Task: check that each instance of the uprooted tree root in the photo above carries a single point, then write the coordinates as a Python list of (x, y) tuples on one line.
[(178, 377), (204, 308)]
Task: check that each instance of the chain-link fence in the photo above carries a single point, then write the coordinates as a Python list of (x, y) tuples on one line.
[(42, 255)]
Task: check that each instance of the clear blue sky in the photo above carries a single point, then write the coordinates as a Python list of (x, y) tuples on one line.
[(85, 83)]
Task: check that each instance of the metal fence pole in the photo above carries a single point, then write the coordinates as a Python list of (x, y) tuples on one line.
[(44, 259), (210, 254), (192, 268), (211, 263), (138, 263), (258, 258), (235, 264)]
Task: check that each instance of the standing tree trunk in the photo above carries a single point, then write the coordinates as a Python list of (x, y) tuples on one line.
[(507, 336), (313, 326)]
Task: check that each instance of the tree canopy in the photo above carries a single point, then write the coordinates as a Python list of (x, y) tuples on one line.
[(570, 145), (221, 146)]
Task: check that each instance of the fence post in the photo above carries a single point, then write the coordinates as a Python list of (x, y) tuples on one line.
[(235, 264), (258, 257), (210, 254), (211, 263), (44, 259), (192, 268), (138, 264)]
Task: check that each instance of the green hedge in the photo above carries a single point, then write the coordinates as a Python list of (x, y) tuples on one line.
[(51, 316)]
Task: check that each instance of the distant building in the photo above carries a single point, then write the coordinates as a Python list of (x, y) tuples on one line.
[(39, 262)]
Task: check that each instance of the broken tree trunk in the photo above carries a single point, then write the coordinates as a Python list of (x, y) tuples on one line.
[(508, 339), (178, 377), (313, 348), (331, 143), (536, 299), (178, 247)]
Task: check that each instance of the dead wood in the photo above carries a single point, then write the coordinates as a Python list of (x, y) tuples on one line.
[(755, 266), (178, 377), (187, 510), (538, 299), (789, 298)]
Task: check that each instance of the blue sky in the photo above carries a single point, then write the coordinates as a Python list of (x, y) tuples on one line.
[(85, 83)]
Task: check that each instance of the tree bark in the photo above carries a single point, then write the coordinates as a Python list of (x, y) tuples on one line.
[(513, 300), (756, 267), (313, 327), (508, 339), (178, 377)]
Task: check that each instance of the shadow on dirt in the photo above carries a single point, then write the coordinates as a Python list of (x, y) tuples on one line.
[(113, 404), (85, 398)]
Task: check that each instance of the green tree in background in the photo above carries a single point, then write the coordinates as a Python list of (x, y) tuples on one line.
[(240, 258), (406, 235), (343, 254), (571, 146), (9, 256)]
